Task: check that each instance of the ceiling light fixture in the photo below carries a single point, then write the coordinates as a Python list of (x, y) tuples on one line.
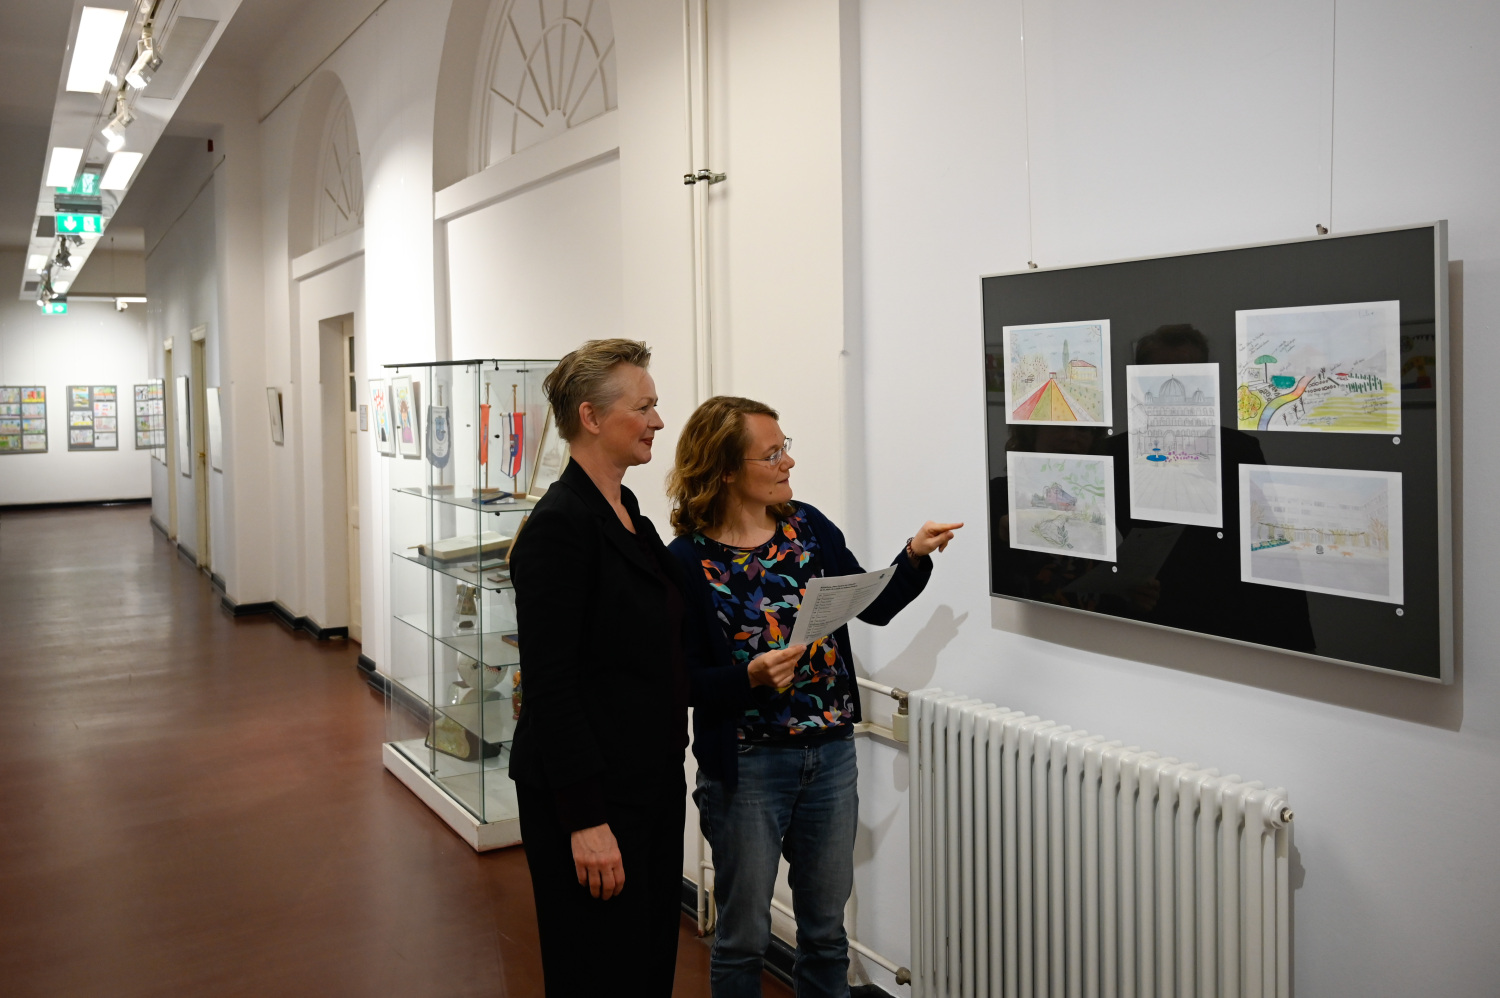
[(61, 287), (36, 261), (147, 61), (121, 168), (64, 166), (125, 301), (114, 132), (94, 49)]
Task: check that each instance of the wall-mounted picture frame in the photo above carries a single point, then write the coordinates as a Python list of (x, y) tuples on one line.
[(551, 458), (184, 428), (404, 403), (273, 406), (23, 419), (380, 409), (151, 419), (93, 415), (215, 430)]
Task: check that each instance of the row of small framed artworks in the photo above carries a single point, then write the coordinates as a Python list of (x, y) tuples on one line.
[(93, 418)]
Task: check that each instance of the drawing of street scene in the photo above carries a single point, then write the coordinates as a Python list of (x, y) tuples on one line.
[(1173, 418), (1062, 504), (1322, 530), (1058, 373), (1320, 368)]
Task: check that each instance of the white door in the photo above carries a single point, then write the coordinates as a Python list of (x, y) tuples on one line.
[(351, 479)]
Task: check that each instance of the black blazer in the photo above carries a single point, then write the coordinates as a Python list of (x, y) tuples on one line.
[(598, 710)]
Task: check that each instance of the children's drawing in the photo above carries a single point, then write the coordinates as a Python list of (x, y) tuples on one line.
[(1320, 368), (404, 416), (1173, 417), (380, 405), (1058, 373), (1322, 530), (1062, 504)]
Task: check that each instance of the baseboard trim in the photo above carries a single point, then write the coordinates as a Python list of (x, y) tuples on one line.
[(187, 553), (160, 527), (281, 613), (218, 582), (780, 957), (31, 507)]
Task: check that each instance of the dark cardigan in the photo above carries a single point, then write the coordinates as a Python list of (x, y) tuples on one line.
[(720, 688)]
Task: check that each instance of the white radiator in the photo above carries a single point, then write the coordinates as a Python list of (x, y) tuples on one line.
[(1050, 862)]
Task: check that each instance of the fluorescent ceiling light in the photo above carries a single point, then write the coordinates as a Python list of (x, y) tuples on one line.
[(121, 168), (61, 287), (132, 299), (94, 49), (64, 168), (36, 261)]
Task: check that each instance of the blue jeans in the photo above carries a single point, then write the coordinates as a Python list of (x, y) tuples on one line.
[(803, 803)]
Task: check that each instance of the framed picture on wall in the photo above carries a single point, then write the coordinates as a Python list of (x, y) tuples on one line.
[(408, 429), (215, 430), (23, 419), (184, 428), (93, 414), (551, 458), (273, 406), (380, 408)]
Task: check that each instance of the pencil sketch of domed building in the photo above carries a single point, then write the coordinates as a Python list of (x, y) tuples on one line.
[(1173, 418)]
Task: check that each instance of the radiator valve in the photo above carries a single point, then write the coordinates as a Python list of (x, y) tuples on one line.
[(901, 719)]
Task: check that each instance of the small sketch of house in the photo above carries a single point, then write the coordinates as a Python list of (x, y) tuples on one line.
[(1082, 370), (1054, 497), (1176, 421)]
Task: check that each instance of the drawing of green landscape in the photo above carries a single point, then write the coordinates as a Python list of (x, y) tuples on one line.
[(1058, 373), (1322, 368), (1062, 503)]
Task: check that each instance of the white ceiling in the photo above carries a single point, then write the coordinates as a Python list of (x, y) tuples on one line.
[(34, 38)]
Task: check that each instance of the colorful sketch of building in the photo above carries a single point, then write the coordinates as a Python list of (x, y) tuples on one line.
[(1082, 370), (1055, 497)]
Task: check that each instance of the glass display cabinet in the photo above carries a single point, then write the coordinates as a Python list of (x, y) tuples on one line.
[(462, 440)]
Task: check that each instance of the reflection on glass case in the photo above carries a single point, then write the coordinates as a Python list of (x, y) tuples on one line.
[(454, 665)]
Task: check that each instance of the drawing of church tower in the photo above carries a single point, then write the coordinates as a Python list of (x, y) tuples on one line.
[(1067, 368)]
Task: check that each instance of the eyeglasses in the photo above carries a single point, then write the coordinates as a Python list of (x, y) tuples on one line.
[(776, 455)]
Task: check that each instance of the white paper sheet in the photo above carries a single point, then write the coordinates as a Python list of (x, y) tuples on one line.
[(828, 604)]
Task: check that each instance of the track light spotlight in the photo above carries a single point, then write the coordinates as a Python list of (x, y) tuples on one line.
[(114, 132), (147, 62)]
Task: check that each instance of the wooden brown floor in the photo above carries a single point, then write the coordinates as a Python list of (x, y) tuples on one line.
[(194, 805)]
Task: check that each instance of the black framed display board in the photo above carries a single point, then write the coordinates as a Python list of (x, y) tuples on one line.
[(23, 419), (150, 416), (1250, 444), (93, 417)]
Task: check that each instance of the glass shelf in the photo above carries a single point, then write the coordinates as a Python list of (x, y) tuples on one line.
[(450, 707), (452, 498), (456, 570), (498, 653)]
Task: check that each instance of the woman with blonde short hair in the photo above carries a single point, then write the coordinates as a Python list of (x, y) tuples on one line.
[(598, 751), (772, 724)]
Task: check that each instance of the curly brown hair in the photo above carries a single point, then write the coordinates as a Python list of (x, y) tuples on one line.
[(712, 445)]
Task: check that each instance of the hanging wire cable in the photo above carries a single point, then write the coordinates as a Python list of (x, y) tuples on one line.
[(1333, 89), (1026, 108)]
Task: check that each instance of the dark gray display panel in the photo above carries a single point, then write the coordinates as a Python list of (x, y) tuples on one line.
[(1354, 559)]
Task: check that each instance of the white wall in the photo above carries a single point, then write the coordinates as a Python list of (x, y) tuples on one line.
[(182, 281), (1161, 127), (92, 345)]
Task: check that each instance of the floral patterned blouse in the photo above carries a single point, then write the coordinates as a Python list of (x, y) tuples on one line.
[(757, 593)]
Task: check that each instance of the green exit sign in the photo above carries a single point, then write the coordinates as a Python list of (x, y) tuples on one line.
[(87, 184), (83, 225), (55, 308)]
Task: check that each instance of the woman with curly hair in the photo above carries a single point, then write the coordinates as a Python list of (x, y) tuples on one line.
[(773, 724)]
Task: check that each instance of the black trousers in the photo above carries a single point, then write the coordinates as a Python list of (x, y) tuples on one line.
[(628, 944)]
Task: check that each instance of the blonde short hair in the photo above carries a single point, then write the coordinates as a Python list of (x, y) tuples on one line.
[(584, 376), (711, 446)]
